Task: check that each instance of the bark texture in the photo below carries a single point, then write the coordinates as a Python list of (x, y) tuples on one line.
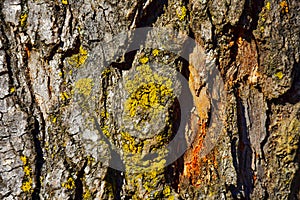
[(57, 92)]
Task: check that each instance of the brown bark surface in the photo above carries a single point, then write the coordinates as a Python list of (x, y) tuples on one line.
[(70, 111)]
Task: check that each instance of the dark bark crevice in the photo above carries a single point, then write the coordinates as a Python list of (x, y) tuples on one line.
[(244, 28), (245, 174), (173, 171), (267, 128), (292, 96), (295, 186), (151, 13), (234, 190), (115, 179), (128, 60), (79, 184), (39, 158)]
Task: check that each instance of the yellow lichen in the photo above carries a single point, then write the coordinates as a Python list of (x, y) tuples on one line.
[(155, 52), (64, 144), (27, 170), (24, 159), (84, 86), (167, 191), (268, 5), (129, 145), (54, 120), (64, 96), (79, 59), (105, 130), (69, 184), (279, 75), (26, 186), (104, 114), (148, 96), (149, 91), (23, 19), (106, 72), (87, 195), (12, 90), (181, 13), (65, 2), (90, 160), (27, 181), (144, 60)]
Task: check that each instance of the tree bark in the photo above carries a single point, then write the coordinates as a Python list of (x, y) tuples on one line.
[(78, 122)]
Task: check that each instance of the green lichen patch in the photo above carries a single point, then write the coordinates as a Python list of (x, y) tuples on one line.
[(84, 86), (148, 96), (145, 174), (149, 92), (79, 59), (150, 185)]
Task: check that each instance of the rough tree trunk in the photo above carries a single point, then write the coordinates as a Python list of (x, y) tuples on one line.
[(66, 115)]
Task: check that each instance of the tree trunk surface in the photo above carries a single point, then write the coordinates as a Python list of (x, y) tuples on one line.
[(91, 108)]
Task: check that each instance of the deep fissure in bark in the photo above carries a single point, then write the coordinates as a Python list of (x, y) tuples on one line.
[(245, 180), (39, 158), (295, 186), (78, 182)]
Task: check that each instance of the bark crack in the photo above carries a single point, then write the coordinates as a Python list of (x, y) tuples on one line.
[(39, 160)]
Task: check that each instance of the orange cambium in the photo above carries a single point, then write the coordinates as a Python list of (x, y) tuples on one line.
[(196, 162), (192, 167)]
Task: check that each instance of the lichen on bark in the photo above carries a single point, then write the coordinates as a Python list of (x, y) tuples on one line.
[(69, 107)]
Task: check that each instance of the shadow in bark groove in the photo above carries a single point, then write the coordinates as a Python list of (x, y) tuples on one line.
[(267, 125), (39, 159), (234, 153), (115, 179), (244, 153), (152, 12), (78, 182), (173, 171), (292, 96), (246, 25), (115, 157), (127, 64)]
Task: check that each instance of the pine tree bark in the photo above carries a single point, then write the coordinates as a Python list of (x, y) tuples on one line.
[(52, 72)]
